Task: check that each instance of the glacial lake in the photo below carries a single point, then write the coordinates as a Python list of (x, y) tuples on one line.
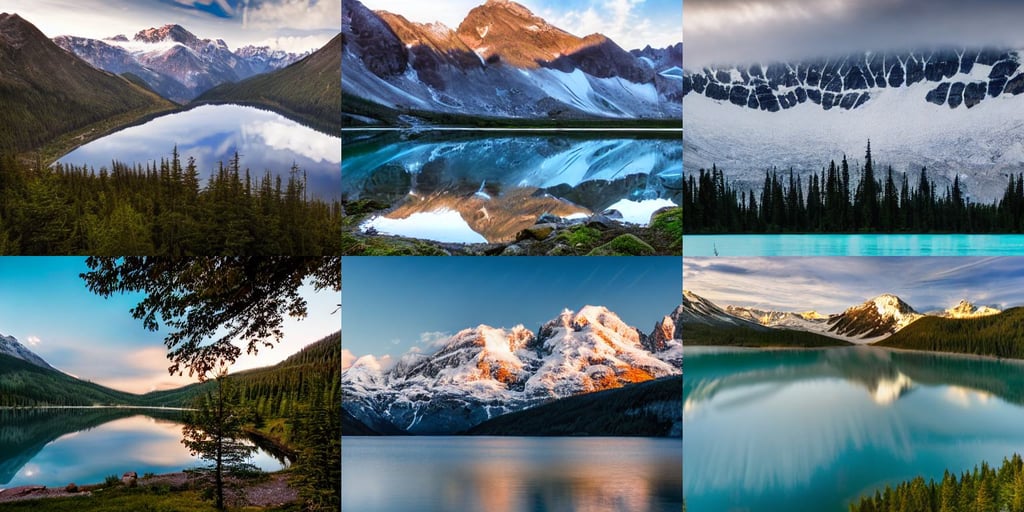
[(511, 474), (265, 141), (852, 245), (813, 430), (461, 186), (55, 447)]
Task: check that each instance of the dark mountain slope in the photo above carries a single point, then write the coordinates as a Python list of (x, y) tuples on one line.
[(1000, 335), (652, 408), (46, 92), (308, 90)]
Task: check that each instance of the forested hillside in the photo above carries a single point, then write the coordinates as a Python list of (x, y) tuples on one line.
[(699, 334), (1000, 335), (309, 89), (46, 92)]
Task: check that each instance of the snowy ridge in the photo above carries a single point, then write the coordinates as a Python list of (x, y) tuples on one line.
[(9, 345), (483, 372), (965, 309), (953, 116)]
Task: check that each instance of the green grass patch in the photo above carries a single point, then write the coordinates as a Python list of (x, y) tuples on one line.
[(624, 245)]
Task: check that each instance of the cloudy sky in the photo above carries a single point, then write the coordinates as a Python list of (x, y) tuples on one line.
[(741, 31), (392, 305), (46, 306), (630, 23), (293, 25), (830, 285)]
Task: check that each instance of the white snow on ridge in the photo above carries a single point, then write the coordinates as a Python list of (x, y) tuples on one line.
[(982, 143)]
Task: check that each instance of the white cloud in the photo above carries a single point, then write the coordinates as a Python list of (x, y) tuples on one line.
[(296, 44), (621, 21), (347, 358), (434, 338), (33, 341), (296, 14)]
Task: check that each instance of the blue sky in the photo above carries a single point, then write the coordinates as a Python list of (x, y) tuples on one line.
[(391, 305), (630, 23), (293, 25), (46, 306), (830, 285)]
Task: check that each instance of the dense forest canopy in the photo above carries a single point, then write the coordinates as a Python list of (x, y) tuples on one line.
[(161, 209), (834, 201)]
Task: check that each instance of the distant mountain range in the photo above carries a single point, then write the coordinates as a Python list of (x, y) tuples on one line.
[(175, 62), (871, 321), (482, 373), (502, 62), (955, 111)]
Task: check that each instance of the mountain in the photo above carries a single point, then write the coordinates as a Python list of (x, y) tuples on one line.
[(999, 335), (46, 92), (484, 372), (956, 111), (965, 309), (651, 408), (10, 346), (698, 310), (307, 89), (501, 62), (175, 62), (877, 317)]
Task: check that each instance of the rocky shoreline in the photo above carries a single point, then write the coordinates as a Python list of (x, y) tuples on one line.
[(603, 234)]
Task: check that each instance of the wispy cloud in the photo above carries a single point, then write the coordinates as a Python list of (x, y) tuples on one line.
[(33, 341)]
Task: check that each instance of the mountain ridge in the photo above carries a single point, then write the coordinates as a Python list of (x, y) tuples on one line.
[(482, 372)]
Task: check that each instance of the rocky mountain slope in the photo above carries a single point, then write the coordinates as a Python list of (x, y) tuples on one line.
[(953, 110), (9, 345), (175, 62), (502, 61), (484, 372)]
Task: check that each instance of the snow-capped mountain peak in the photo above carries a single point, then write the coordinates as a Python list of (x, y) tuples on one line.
[(483, 371), (875, 318), (9, 345), (965, 309)]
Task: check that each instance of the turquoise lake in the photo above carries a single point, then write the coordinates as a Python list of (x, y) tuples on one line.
[(813, 430), (55, 447), (852, 245)]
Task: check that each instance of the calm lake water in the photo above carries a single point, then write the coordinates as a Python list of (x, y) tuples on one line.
[(511, 474), (467, 187), (852, 245), (212, 133), (813, 430), (54, 447)]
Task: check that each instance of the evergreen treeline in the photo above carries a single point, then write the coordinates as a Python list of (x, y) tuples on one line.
[(161, 209), (633, 410), (23, 384), (1000, 335), (982, 490), (836, 202), (699, 334)]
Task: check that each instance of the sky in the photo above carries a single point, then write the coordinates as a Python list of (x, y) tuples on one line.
[(743, 31), (830, 285), (46, 306), (291, 25), (393, 305), (632, 24)]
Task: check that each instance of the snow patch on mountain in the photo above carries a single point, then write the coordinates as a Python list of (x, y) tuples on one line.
[(9, 345), (483, 372)]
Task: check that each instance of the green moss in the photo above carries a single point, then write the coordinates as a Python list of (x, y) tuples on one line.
[(624, 245), (668, 228), (580, 237)]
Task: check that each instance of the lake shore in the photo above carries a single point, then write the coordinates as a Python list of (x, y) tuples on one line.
[(272, 492)]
